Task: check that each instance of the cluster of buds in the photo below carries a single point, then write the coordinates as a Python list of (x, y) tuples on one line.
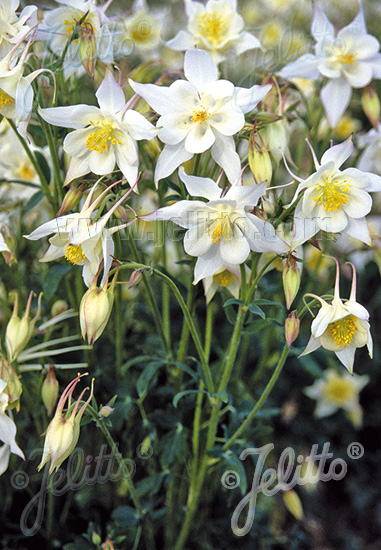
[(19, 331), (63, 431)]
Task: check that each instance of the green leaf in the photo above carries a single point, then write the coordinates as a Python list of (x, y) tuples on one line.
[(147, 378), (268, 413), (150, 485), (264, 302), (52, 280), (221, 395), (256, 310), (126, 515), (233, 301), (142, 359), (43, 165), (34, 200), (181, 394), (256, 326), (173, 446)]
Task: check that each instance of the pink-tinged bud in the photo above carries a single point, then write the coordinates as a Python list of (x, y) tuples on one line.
[(94, 312), (135, 278), (49, 391), (19, 331), (293, 504), (106, 411), (259, 160), (9, 240), (88, 48), (291, 280), (108, 545), (291, 328), (371, 105), (121, 213), (63, 431), (71, 199), (14, 386)]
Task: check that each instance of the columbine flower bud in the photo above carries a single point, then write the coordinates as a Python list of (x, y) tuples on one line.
[(9, 240), (59, 307), (291, 280), (293, 504), (259, 160), (95, 310), (19, 331), (88, 48), (135, 278), (71, 199), (371, 105), (49, 391), (14, 386), (106, 411), (108, 545), (63, 431), (291, 328)]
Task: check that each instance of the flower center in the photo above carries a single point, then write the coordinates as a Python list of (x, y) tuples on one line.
[(342, 331), (225, 278), (104, 132), (5, 99), (84, 27), (213, 27), (339, 391), (333, 194), (346, 58), (200, 116), (221, 228), (74, 254), (26, 172)]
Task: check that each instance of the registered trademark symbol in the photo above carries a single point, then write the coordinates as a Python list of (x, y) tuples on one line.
[(355, 450)]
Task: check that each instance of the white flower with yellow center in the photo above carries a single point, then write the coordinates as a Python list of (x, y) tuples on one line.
[(102, 136), (7, 431), (227, 277), (80, 240), (199, 113), (219, 232), (336, 200), (215, 27), (349, 60), (13, 27), (341, 327), (338, 391)]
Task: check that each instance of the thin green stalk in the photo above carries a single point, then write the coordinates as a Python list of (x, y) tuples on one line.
[(165, 289), (261, 400), (118, 331), (55, 160), (205, 165), (148, 529)]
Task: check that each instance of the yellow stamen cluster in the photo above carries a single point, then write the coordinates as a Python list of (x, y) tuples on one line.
[(200, 116), (346, 58), (26, 172), (333, 194), (339, 390), (85, 27), (225, 278), (74, 254), (5, 99), (213, 27), (343, 330), (104, 133), (220, 228)]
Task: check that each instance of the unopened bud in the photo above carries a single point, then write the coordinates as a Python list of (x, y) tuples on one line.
[(371, 105), (14, 386), (106, 411), (49, 391), (291, 280), (10, 245), (96, 539), (121, 213), (108, 545), (94, 312), (19, 331), (291, 328), (259, 160), (59, 307), (293, 504), (88, 48), (71, 199), (135, 278)]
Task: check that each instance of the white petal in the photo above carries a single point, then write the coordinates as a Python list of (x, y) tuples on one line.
[(78, 167), (158, 97), (335, 96), (56, 225), (108, 252), (246, 42), (347, 357), (200, 187), (181, 213), (170, 158), (199, 68), (321, 26), (324, 409), (375, 182), (102, 163), (110, 95), (207, 264), (312, 345), (236, 250), (304, 67), (138, 126), (228, 120), (263, 238), (5, 453), (247, 195), (199, 138), (332, 222), (357, 27), (75, 117), (248, 98), (128, 162), (338, 153), (197, 241), (75, 142), (359, 74), (359, 204), (224, 153), (182, 41), (359, 230)]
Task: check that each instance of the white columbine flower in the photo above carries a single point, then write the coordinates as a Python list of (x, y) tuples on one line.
[(102, 136), (215, 27), (227, 277), (349, 60), (337, 200), (7, 432), (219, 231), (14, 27), (199, 113), (341, 326), (81, 241), (371, 156), (338, 391)]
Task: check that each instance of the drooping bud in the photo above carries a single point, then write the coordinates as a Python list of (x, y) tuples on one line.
[(291, 280), (371, 105), (63, 431), (88, 48), (49, 391), (293, 504), (19, 331), (291, 328), (59, 307), (14, 386), (8, 250), (135, 278), (259, 159), (72, 198), (95, 310)]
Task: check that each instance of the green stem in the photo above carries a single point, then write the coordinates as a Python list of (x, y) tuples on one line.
[(261, 400), (55, 160), (118, 330), (165, 289)]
